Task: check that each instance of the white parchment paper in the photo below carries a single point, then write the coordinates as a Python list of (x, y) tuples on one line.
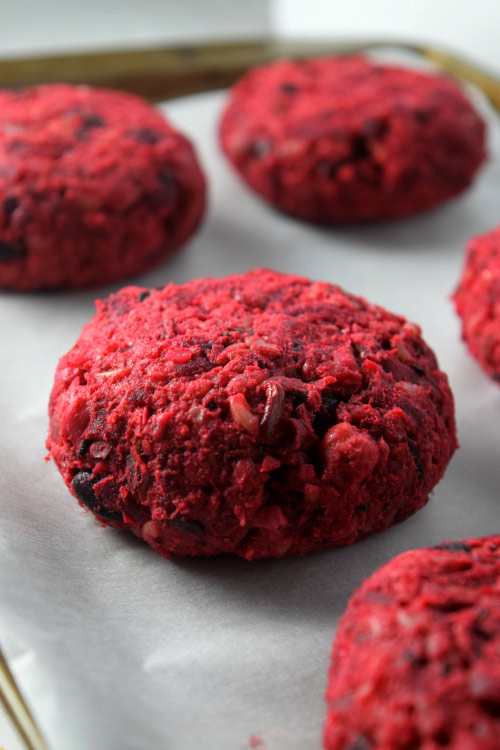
[(118, 649)]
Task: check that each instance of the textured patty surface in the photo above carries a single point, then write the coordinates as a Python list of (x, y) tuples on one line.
[(95, 186), (261, 414), (416, 659), (336, 140), (477, 301)]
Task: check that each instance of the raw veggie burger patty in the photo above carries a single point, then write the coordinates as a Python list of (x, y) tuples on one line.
[(477, 301), (95, 186), (338, 140), (416, 659), (260, 414)]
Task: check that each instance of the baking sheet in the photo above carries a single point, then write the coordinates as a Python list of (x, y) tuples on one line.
[(118, 649)]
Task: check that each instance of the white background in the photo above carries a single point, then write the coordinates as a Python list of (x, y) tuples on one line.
[(470, 28), (45, 25)]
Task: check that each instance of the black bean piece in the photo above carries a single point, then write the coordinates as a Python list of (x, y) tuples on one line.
[(361, 743), (299, 397), (454, 547), (451, 605), (193, 367), (330, 169), (187, 525), (9, 206), (359, 148), (492, 707), (84, 446), (478, 631), (206, 346), (109, 515), (326, 417), (143, 295), (374, 128), (82, 486), (329, 403), (167, 180), (146, 135), (419, 661), (13, 146), (171, 189), (89, 122), (11, 252), (423, 115), (92, 121), (418, 368), (261, 148), (417, 458)]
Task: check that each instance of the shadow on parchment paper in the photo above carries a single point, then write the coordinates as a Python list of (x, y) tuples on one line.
[(444, 229), (313, 588)]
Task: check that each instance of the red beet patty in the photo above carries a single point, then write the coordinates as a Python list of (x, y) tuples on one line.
[(261, 414), (477, 301), (416, 658), (337, 140), (95, 186)]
